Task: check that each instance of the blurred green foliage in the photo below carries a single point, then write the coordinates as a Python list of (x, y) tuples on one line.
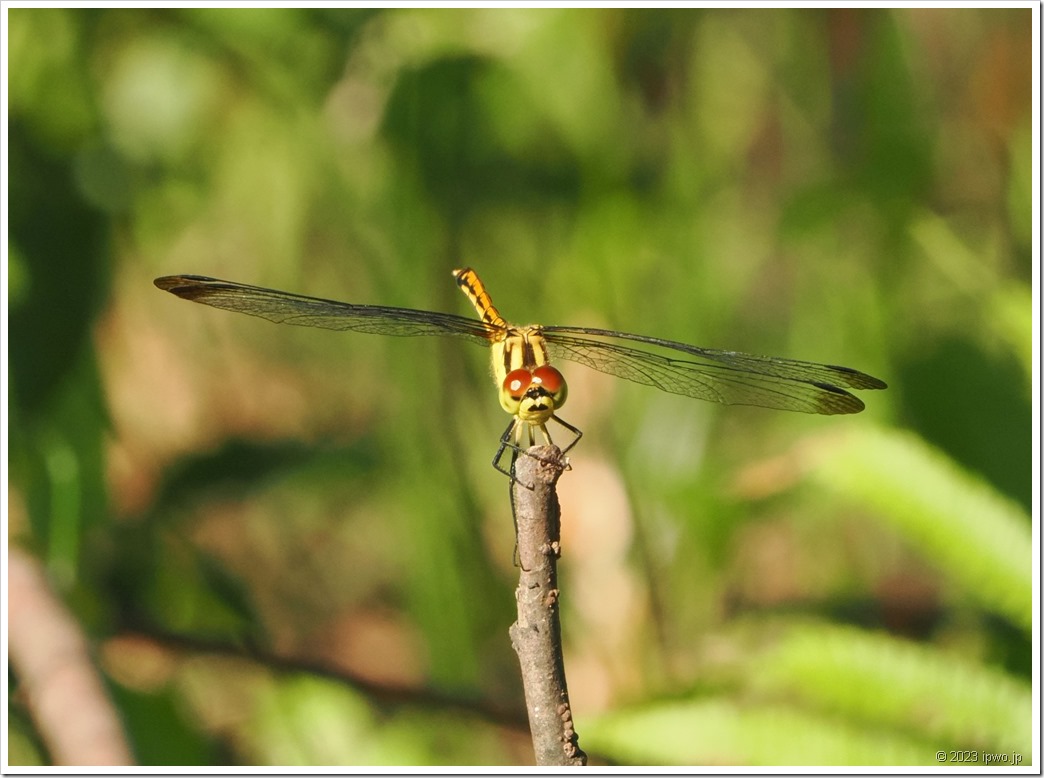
[(739, 586)]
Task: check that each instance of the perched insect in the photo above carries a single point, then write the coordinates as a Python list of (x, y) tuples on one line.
[(531, 389)]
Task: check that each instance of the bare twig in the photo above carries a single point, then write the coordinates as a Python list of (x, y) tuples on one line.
[(537, 635), (65, 693)]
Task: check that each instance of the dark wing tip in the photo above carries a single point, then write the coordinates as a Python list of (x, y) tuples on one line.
[(836, 401), (185, 286), (857, 380)]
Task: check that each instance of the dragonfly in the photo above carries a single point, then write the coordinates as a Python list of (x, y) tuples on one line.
[(530, 389)]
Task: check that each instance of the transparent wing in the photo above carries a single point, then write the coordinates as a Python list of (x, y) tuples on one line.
[(287, 308), (728, 377)]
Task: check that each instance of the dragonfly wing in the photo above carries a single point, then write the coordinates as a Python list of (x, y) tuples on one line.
[(727, 377), (287, 308)]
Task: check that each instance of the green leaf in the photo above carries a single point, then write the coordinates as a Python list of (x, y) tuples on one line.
[(978, 537), (885, 681), (723, 732)]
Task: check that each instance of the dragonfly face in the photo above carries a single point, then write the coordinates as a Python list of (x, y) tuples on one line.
[(531, 390), (533, 395)]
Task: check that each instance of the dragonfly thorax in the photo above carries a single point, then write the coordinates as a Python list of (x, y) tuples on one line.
[(529, 387)]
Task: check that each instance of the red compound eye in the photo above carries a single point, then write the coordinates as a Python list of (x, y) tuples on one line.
[(549, 378), (517, 381)]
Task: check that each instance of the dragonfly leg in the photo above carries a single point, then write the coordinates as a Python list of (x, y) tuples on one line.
[(509, 440), (516, 560), (513, 437), (577, 434)]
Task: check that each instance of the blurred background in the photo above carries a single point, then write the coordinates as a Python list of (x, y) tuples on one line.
[(286, 546)]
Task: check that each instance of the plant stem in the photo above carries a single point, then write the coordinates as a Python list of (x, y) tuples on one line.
[(537, 634)]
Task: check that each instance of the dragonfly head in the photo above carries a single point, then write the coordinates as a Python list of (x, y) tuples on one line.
[(533, 395)]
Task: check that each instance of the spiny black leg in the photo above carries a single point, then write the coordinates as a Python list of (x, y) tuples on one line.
[(505, 443), (515, 559), (577, 433)]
